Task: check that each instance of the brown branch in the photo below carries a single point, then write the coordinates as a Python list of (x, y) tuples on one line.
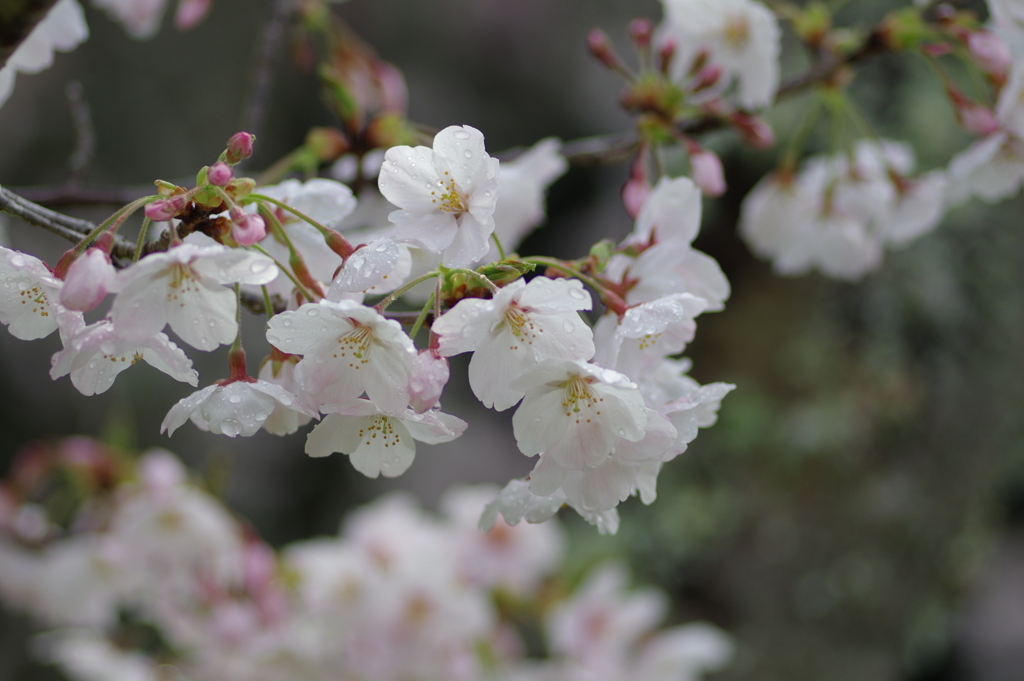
[(619, 146), (70, 194), (17, 19)]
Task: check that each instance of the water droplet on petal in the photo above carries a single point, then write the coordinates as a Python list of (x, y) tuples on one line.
[(461, 135), (468, 153), (235, 399)]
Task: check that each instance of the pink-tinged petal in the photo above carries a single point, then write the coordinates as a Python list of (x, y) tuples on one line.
[(427, 380), (234, 265), (599, 489), (540, 421), (462, 148), (203, 314), (554, 296), (163, 355), (464, 327), (547, 477), (587, 443), (659, 436), (645, 478), (181, 412), (334, 434), (139, 312), (516, 502), (408, 179), (671, 212), (29, 296), (313, 324), (703, 278), (433, 231), (387, 385), (499, 360), (88, 280), (367, 266), (470, 242), (434, 427)]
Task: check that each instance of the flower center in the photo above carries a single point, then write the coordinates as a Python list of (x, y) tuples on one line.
[(357, 344), (449, 201), (520, 326), (35, 297), (380, 429), (182, 277), (579, 397), (737, 31)]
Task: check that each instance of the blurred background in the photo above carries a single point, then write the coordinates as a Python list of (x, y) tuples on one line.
[(858, 511)]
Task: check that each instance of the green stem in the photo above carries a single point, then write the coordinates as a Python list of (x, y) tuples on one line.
[(476, 275), (284, 206), (423, 315), (114, 221), (266, 302), (301, 289), (796, 143), (497, 242), (142, 240), (382, 305), (606, 294)]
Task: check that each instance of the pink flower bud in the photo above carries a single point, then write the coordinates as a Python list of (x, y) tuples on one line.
[(394, 96), (165, 209), (707, 77), (755, 130), (427, 380), (707, 172), (665, 55), (249, 230), (240, 147), (991, 53), (640, 30), (219, 174), (600, 47), (190, 13), (89, 279), (634, 194)]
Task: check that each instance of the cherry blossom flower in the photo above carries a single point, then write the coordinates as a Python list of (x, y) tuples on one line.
[(238, 407), (523, 324), (838, 217), (283, 420), (89, 278), (29, 297), (740, 35), (517, 502), (94, 355), (62, 29), (379, 442), (185, 287), (347, 349), (576, 412), (429, 375), (646, 333), (447, 194)]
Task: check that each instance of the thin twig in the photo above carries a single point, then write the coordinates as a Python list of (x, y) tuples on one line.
[(70, 228), (70, 195)]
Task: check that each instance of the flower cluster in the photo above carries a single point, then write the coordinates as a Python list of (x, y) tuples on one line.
[(398, 594)]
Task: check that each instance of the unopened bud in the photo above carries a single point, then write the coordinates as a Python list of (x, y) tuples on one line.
[(190, 13), (427, 380), (975, 118), (248, 230), (165, 209), (240, 188), (707, 172), (600, 47), (640, 30), (989, 51), (219, 174), (327, 144), (707, 77), (665, 55), (634, 194), (239, 147), (755, 130), (339, 244), (88, 280)]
